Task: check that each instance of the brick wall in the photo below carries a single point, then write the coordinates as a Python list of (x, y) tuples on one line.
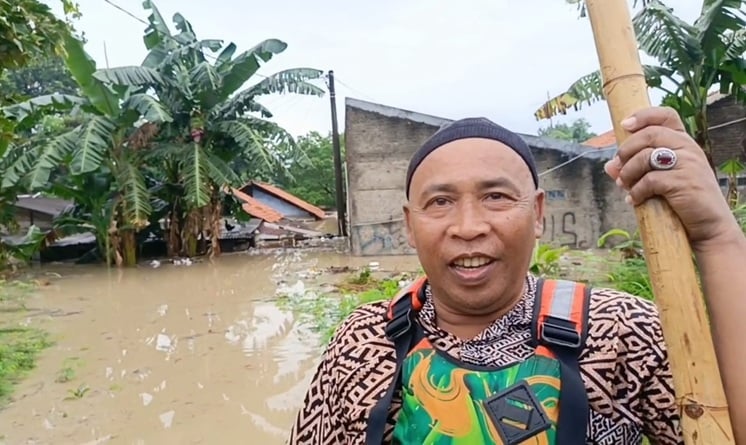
[(727, 120), (728, 137)]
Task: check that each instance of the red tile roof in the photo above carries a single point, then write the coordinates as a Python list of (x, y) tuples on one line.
[(256, 208), (607, 139), (292, 199), (602, 140)]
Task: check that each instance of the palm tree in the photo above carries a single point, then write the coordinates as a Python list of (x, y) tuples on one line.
[(119, 119), (214, 120), (692, 59)]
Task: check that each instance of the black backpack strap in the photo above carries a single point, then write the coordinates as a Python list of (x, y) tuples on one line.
[(560, 323), (402, 329)]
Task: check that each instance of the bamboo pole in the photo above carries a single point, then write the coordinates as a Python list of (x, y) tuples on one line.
[(696, 375)]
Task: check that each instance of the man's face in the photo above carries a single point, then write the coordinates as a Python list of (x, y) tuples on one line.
[(474, 216)]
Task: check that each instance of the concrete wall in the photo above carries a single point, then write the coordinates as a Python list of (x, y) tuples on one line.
[(582, 202)]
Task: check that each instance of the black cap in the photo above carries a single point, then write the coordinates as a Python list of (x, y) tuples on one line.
[(473, 127)]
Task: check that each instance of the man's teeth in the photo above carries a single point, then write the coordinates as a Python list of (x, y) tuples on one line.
[(472, 262)]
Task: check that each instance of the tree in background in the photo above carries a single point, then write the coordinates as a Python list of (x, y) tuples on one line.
[(44, 74), (159, 141), (693, 58), (579, 131), (218, 125), (118, 120), (28, 30), (310, 173)]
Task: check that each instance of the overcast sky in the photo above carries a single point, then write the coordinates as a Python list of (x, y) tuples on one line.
[(446, 58)]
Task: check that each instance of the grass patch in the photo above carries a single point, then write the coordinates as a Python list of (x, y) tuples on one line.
[(13, 295), (77, 393), (322, 312), (631, 275), (19, 349), (19, 346), (68, 370)]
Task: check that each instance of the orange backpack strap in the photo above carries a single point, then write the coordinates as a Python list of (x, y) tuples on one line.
[(561, 314), (411, 292), (560, 327)]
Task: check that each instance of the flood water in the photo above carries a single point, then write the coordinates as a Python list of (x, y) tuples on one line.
[(197, 354)]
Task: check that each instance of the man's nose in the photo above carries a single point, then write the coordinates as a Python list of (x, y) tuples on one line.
[(469, 220)]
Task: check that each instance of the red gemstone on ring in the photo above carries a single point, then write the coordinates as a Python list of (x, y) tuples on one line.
[(664, 158)]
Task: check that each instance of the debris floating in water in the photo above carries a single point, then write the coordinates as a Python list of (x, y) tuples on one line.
[(162, 309), (146, 398), (167, 418), (164, 343)]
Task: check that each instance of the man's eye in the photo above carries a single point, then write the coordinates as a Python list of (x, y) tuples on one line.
[(496, 196), (440, 201)]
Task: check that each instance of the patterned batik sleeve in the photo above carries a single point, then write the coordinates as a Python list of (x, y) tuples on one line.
[(319, 420), (659, 413)]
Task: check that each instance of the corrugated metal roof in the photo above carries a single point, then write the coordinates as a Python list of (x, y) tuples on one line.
[(240, 230), (41, 204)]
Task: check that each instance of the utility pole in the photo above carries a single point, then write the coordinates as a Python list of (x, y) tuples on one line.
[(341, 207)]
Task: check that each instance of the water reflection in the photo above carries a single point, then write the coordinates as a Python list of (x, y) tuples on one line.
[(173, 355)]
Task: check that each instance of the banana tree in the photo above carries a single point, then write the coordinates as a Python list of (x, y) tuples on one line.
[(28, 28), (95, 199), (119, 119), (692, 59), (216, 119)]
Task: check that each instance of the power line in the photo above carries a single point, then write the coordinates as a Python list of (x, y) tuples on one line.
[(131, 14), (127, 12), (726, 124), (210, 56), (353, 89), (134, 16), (571, 160)]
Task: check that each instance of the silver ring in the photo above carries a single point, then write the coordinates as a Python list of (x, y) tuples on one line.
[(663, 159)]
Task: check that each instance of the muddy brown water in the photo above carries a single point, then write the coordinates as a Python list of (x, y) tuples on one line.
[(197, 354)]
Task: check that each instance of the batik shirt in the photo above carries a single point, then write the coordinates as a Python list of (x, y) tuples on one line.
[(624, 366)]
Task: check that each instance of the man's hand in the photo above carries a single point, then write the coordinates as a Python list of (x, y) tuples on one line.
[(690, 187)]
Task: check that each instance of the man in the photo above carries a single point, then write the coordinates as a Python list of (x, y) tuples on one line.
[(494, 355)]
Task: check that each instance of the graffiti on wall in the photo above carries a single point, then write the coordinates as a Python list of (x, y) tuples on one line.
[(561, 228), (388, 238)]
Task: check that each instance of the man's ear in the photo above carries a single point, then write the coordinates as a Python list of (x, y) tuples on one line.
[(408, 223), (539, 212)]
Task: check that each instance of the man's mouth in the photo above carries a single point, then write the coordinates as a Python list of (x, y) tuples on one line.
[(472, 262)]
